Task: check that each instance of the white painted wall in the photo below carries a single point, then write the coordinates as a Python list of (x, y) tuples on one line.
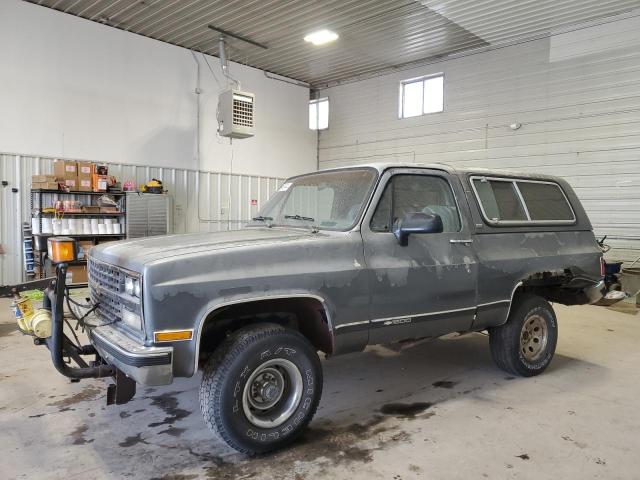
[(577, 96), (77, 89)]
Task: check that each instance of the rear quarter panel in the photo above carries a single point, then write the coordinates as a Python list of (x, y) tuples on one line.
[(508, 255)]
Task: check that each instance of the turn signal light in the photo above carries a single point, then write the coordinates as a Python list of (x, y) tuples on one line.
[(62, 249), (173, 335)]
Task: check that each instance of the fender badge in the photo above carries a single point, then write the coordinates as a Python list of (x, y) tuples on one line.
[(397, 321)]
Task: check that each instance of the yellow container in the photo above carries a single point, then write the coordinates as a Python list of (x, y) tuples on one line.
[(23, 310)]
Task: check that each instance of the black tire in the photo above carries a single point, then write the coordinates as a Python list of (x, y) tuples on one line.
[(530, 358), (226, 395)]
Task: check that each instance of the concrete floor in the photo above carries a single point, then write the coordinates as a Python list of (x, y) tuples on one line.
[(440, 409)]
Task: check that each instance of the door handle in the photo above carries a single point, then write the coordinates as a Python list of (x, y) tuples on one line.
[(465, 241)]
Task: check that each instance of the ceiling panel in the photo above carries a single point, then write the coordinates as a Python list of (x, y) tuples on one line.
[(375, 35)]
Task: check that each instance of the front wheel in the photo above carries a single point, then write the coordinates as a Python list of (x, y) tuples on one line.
[(525, 345), (261, 388)]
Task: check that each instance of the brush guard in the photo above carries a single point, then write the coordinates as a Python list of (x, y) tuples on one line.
[(61, 346)]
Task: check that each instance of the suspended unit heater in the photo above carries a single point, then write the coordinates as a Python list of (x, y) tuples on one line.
[(235, 114)]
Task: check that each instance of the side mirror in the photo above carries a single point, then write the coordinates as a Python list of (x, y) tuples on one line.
[(416, 222)]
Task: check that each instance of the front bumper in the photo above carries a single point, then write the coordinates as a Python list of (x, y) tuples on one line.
[(146, 365)]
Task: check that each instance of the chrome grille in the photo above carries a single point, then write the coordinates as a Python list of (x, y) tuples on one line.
[(104, 289)]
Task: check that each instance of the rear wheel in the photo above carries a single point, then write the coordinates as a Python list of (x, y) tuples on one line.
[(526, 343), (261, 388)]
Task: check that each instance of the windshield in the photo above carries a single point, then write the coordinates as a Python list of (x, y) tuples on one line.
[(326, 200)]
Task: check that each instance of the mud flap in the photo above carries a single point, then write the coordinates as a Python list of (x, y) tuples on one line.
[(122, 391)]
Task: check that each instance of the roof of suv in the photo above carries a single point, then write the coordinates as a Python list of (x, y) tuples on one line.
[(382, 166)]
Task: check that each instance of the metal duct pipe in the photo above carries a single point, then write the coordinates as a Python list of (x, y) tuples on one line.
[(222, 51)]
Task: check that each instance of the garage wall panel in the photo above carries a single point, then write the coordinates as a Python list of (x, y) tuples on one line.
[(74, 88), (576, 96), (202, 201)]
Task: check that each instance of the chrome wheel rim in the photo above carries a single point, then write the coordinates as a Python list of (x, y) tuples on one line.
[(272, 393), (533, 338)]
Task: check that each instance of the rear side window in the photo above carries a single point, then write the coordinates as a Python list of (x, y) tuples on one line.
[(545, 201), (500, 200), (507, 201)]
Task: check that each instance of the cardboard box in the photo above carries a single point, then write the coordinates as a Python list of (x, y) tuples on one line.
[(100, 182), (45, 185), (84, 184), (86, 170), (72, 183), (109, 210), (77, 274), (43, 178), (65, 169)]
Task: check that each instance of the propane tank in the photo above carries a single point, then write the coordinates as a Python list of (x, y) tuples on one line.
[(41, 323)]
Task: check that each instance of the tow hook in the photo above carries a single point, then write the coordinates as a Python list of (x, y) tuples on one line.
[(122, 391)]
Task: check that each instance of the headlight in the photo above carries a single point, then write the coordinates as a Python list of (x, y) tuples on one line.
[(132, 286), (131, 318)]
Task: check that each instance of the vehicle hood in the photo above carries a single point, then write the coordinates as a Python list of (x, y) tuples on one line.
[(136, 253)]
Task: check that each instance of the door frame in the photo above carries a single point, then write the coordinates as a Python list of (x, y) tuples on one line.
[(466, 232)]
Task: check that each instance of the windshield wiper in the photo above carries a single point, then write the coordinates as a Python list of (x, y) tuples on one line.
[(261, 218), (300, 217)]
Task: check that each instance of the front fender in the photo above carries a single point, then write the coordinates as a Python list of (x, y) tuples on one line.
[(219, 303)]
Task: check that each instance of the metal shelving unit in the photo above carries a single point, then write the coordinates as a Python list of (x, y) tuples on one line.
[(37, 197)]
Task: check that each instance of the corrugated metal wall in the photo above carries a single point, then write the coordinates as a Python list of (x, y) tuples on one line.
[(202, 201), (577, 96)]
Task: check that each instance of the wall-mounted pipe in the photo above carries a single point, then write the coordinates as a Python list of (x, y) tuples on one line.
[(298, 83)]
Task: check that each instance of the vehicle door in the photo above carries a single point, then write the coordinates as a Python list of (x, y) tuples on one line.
[(428, 287)]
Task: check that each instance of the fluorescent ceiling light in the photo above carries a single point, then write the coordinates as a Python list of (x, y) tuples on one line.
[(321, 37)]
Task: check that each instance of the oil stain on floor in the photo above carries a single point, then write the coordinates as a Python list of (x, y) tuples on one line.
[(78, 435), (323, 443), (168, 402), (405, 410), (444, 384), (88, 393)]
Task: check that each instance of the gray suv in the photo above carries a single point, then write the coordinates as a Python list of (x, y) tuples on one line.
[(337, 260)]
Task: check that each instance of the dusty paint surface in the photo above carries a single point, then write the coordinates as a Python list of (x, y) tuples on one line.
[(372, 290), (385, 414)]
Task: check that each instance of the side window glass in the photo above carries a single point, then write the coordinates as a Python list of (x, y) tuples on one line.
[(545, 201), (499, 200), (381, 220), (416, 193)]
